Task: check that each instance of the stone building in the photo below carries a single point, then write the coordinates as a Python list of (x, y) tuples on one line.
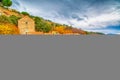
[(26, 25)]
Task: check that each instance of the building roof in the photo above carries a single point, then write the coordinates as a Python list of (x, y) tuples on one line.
[(26, 17)]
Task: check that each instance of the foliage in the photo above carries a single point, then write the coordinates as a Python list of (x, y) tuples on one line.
[(60, 29), (4, 19), (41, 25), (8, 29), (7, 25), (25, 13), (7, 3), (63, 30), (14, 20)]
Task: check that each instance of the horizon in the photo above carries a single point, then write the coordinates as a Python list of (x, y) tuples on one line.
[(90, 15)]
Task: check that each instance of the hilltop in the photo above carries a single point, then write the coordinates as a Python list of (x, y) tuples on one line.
[(11, 17)]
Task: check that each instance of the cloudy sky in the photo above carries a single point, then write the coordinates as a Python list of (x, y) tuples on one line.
[(91, 15)]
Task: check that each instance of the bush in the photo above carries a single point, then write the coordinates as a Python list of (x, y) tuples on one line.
[(14, 20), (41, 25), (25, 13), (4, 19), (8, 29)]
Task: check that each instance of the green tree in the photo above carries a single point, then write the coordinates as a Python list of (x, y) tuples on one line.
[(25, 13), (7, 3)]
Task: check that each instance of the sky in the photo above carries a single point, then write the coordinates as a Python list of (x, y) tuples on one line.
[(90, 15)]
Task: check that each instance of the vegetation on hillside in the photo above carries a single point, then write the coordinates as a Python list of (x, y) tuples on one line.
[(8, 23), (42, 25), (8, 29), (25, 13), (11, 19)]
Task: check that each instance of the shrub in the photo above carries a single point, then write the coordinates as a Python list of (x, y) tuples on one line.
[(42, 25), (14, 20), (4, 19), (25, 13), (8, 29)]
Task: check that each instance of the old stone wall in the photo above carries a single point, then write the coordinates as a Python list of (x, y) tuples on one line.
[(26, 25)]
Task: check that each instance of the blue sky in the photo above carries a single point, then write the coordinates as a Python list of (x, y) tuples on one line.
[(91, 15)]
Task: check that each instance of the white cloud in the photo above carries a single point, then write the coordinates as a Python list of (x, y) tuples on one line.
[(99, 21), (92, 17)]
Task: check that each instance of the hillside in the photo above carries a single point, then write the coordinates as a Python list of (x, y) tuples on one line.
[(11, 17)]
